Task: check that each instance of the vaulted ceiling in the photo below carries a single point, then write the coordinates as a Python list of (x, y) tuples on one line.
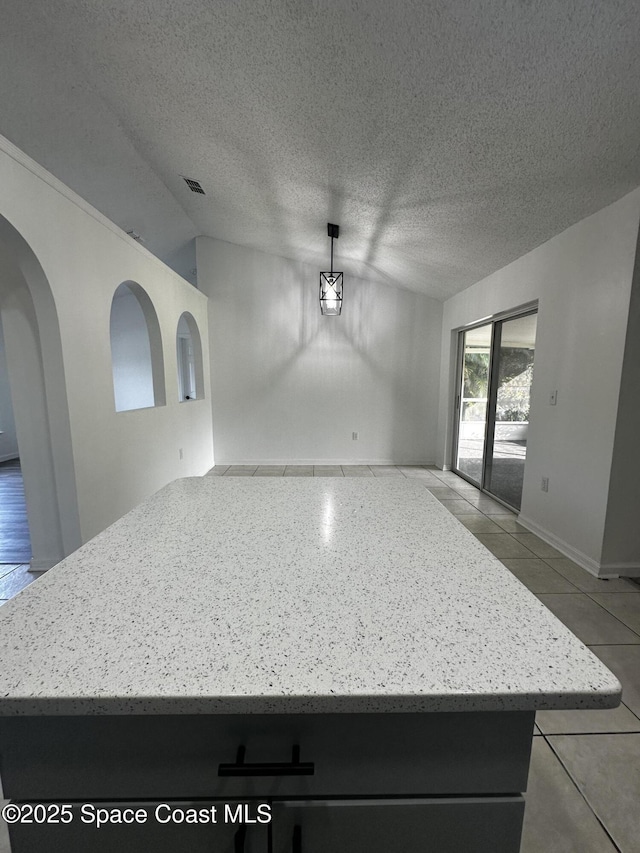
[(446, 138)]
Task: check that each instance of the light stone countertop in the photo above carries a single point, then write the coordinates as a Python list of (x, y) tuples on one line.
[(283, 595)]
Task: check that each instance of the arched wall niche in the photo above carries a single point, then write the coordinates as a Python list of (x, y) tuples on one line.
[(38, 390), (136, 349), (189, 359)]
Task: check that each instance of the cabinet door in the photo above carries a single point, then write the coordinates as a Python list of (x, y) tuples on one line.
[(399, 826), (166, 829)]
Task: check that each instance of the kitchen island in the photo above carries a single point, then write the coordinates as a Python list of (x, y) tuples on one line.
[(342, 652)]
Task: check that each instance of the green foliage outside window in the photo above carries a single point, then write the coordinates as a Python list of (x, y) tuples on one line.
[(476, 372), (516, 372)]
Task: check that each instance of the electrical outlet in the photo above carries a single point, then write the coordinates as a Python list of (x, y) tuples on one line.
[(553, 398), (545, 484), (355, 436), (180, 452)]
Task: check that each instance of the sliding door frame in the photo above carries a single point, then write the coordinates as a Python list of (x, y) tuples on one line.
[(495, 321), (458, 399), (492, 400)]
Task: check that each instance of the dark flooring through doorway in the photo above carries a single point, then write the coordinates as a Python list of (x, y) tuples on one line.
[(15, 542)]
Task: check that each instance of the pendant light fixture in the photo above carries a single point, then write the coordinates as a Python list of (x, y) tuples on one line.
[(331, 282)]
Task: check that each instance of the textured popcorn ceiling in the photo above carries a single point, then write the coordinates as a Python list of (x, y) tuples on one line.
[(446, 138)]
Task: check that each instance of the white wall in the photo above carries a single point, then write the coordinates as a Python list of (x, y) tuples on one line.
[(621, 549), (291, 386), (8, 441), (118, 458), (582, 279)]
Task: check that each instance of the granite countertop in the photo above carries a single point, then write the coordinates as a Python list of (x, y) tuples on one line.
[(274, 595)]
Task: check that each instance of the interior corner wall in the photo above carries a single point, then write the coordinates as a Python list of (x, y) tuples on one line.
[(119, 458), (582, 280), (621, 550), (292, 386), (8, 440)]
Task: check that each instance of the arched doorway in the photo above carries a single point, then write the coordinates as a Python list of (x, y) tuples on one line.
[(36, 377)]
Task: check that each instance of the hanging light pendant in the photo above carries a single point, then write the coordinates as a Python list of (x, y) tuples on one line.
[(331, 282)]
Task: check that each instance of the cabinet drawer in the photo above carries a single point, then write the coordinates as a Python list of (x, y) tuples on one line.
[(162, 832), (185, 757), (399, 826)]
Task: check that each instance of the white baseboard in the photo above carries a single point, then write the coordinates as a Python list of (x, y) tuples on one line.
[(42, 565), (595, 568), (322, 462), (625, 570)]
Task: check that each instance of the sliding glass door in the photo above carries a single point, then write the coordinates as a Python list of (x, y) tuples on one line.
[(494, 387), (475, 355)]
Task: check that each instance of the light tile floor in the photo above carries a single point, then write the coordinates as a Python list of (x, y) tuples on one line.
[(584, 782)]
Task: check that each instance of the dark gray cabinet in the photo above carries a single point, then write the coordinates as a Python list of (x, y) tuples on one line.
[(160, 833), (392, 783), (398, 826)]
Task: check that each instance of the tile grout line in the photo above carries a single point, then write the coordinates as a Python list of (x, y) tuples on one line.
[(576, 786), (589, 734), (546, 560), (624, 624), (637, 716), (578, 590)]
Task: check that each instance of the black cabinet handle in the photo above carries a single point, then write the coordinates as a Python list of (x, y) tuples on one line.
[(295, 767), (296, 842), (239, 839)]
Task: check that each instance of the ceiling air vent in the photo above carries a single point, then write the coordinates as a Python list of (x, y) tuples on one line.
[(194, 186)]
